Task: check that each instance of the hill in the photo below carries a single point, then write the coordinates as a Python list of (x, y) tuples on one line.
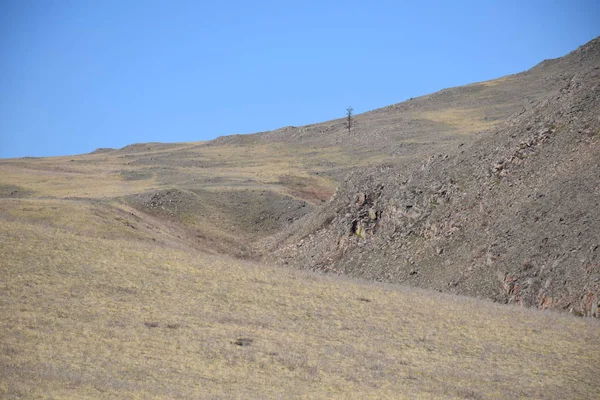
[(511, 217), (214, 190)]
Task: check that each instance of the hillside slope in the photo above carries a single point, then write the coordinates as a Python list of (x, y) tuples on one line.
[(512, 217), (447, 117), (95, 305)]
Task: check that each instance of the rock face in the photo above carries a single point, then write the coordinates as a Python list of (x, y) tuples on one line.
[(514, 216)]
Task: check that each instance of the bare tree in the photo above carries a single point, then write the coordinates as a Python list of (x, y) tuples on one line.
[(350, 122)]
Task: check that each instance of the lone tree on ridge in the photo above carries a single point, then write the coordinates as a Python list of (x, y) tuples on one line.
[(350, 122)]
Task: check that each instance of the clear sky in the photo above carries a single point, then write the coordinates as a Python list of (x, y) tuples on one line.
[(77, 75)]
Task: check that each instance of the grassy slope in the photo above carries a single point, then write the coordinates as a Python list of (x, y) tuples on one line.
[(93, 308), (190, 165), (223, 185)]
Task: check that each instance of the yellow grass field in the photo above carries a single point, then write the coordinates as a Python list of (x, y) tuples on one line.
[(96, 304), (108, 175)]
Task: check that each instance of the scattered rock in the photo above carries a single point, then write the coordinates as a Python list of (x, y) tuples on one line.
[(243, 341)]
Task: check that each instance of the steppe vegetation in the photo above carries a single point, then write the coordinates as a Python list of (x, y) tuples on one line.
[(97, 306)]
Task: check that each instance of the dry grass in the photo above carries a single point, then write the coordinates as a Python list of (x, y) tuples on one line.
[(191, 165), (92, 308), (219, 176), (51, 177), (464, 121), (496, 82)]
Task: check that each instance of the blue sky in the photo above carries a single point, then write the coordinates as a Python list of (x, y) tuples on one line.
[(78, 75)]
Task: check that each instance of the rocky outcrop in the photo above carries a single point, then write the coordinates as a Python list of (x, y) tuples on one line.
[(512, 217)]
